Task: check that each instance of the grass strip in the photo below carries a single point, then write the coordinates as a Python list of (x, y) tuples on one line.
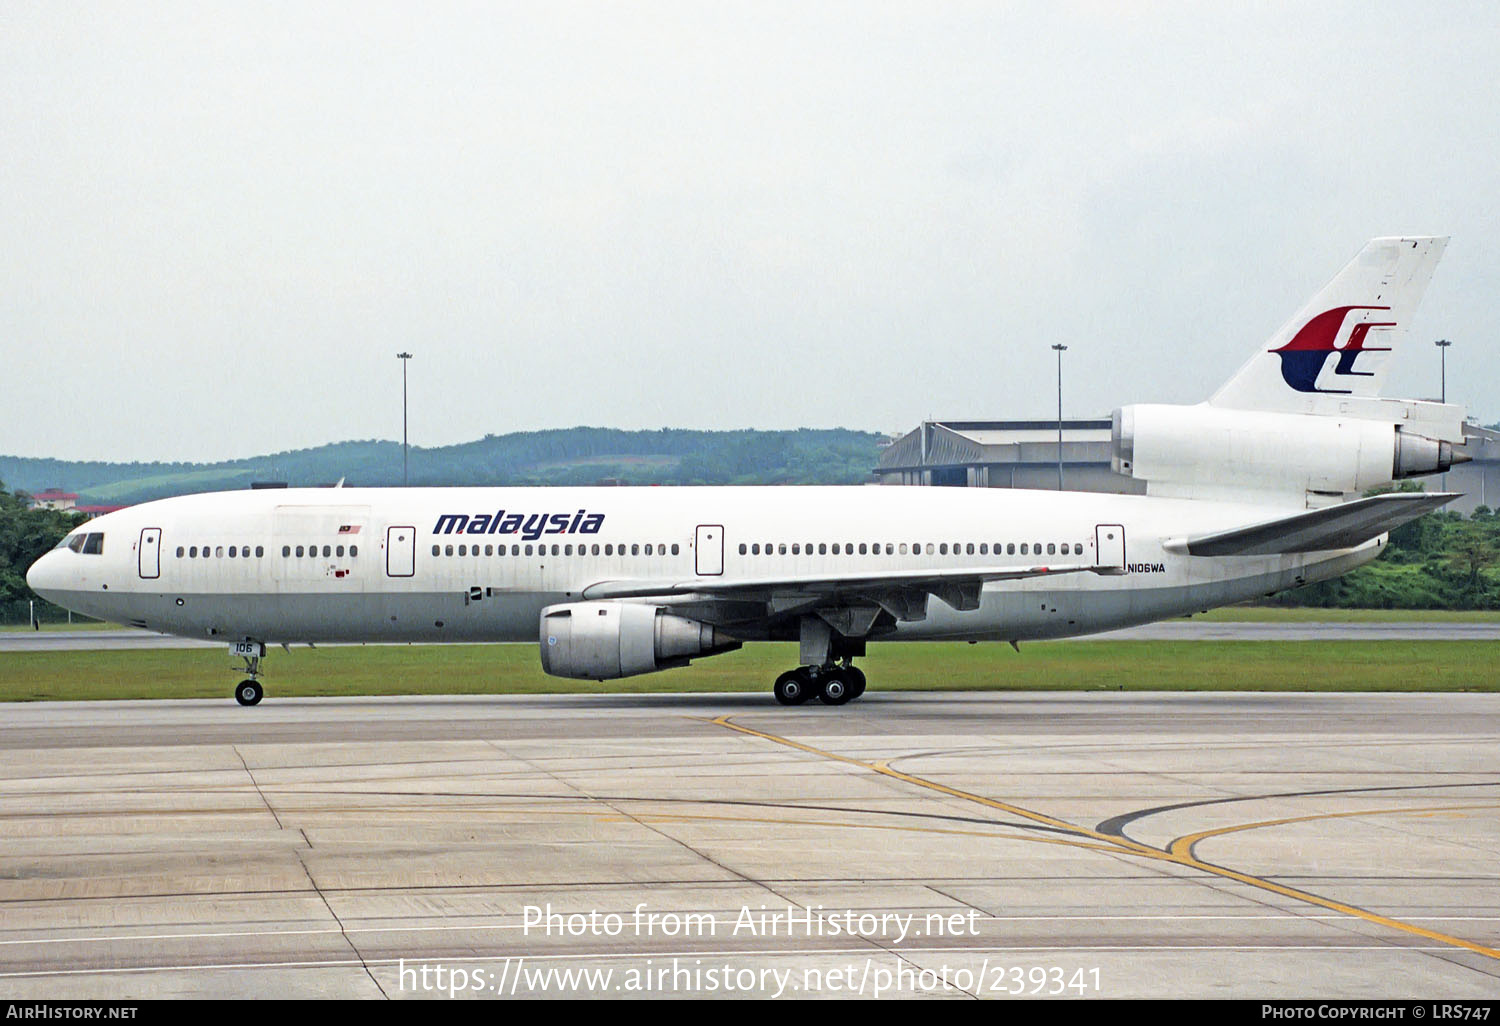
[(1414, 666)]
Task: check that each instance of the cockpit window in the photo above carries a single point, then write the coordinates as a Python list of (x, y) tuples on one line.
[(72, 541), (93, 545)]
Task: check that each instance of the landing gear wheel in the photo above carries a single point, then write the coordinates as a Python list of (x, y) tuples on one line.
[(792, 688), (856, 679), (249, 692), (837, 688)]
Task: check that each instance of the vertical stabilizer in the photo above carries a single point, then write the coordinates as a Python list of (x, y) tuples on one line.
[(1338, 346)]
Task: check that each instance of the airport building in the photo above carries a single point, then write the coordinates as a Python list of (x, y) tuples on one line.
[(1024, 454)]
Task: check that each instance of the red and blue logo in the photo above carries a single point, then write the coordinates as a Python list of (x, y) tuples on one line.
[(1305, 356)]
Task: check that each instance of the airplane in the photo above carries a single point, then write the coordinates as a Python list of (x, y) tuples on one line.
[(1251, 492)]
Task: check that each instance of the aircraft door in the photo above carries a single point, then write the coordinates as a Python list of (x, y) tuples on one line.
[(148, 558), (1109, 547), (401, 552), (709, 548)]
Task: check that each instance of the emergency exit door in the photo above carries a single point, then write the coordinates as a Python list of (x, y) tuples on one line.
[(401, 552), (1109, 547), (709, 547), (149, 558)]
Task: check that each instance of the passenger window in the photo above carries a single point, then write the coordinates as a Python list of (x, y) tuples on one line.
[(943, 549), (781, 549), (179, 552), (890, 549), (286, 550), (1078, 548), (594, 549), (862, 550), (929, 548), (903, 548), (338, 550), (447, 550), (822, 548), (219, 552), (650, 550), (1010, 550), (635, 549), (528, 550), (556, 550), (675, 549), (970, 549), (796, 548), (193, 552), (436, 550), (463, 550), (1024, 549), (233, 552), (299, 551), (1052, 548), (567, 550), (743, 549), (984, 548)]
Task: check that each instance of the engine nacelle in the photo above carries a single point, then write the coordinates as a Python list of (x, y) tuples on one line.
[(1182, 446), (607, 640)]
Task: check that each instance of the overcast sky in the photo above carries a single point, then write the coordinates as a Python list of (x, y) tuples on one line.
[(220, 222)]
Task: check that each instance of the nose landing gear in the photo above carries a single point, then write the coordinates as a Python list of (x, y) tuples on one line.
[(249, 691)]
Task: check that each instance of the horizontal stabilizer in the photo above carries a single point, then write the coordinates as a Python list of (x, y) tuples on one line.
[(1334, 527)]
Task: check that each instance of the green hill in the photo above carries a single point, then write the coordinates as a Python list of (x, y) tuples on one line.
[(571, 456)]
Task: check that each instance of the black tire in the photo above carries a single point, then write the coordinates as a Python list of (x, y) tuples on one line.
[(792, 688), (836, 689), (856, 678), (248, 692)]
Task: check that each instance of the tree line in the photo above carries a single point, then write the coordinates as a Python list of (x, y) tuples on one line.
[(25, 534)]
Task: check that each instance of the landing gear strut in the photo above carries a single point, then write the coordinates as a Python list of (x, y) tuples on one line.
[(249, 691)]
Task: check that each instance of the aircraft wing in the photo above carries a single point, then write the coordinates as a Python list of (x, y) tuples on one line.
[(903, 593), (1334, 527)]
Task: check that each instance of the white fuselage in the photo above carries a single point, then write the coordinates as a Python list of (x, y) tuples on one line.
[(479, 564)]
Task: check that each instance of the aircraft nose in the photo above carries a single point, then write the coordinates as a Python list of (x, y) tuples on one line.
[(45, 576)]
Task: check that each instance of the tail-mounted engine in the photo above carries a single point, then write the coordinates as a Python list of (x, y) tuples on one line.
[(1178, 449), (607, 640)]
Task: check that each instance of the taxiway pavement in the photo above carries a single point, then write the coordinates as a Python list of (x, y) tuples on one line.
[(994, 845)]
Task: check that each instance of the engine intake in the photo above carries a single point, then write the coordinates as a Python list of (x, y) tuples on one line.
[(608, 640)]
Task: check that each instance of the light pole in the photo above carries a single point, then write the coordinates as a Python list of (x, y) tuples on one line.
[(403, 357), (1443, 345), (1060, 350)]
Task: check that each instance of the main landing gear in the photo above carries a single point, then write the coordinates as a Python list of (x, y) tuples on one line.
[(827, 672), (249, 691), (832, 685)]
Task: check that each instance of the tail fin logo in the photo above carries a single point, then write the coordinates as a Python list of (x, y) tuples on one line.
[(1305, 356)]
